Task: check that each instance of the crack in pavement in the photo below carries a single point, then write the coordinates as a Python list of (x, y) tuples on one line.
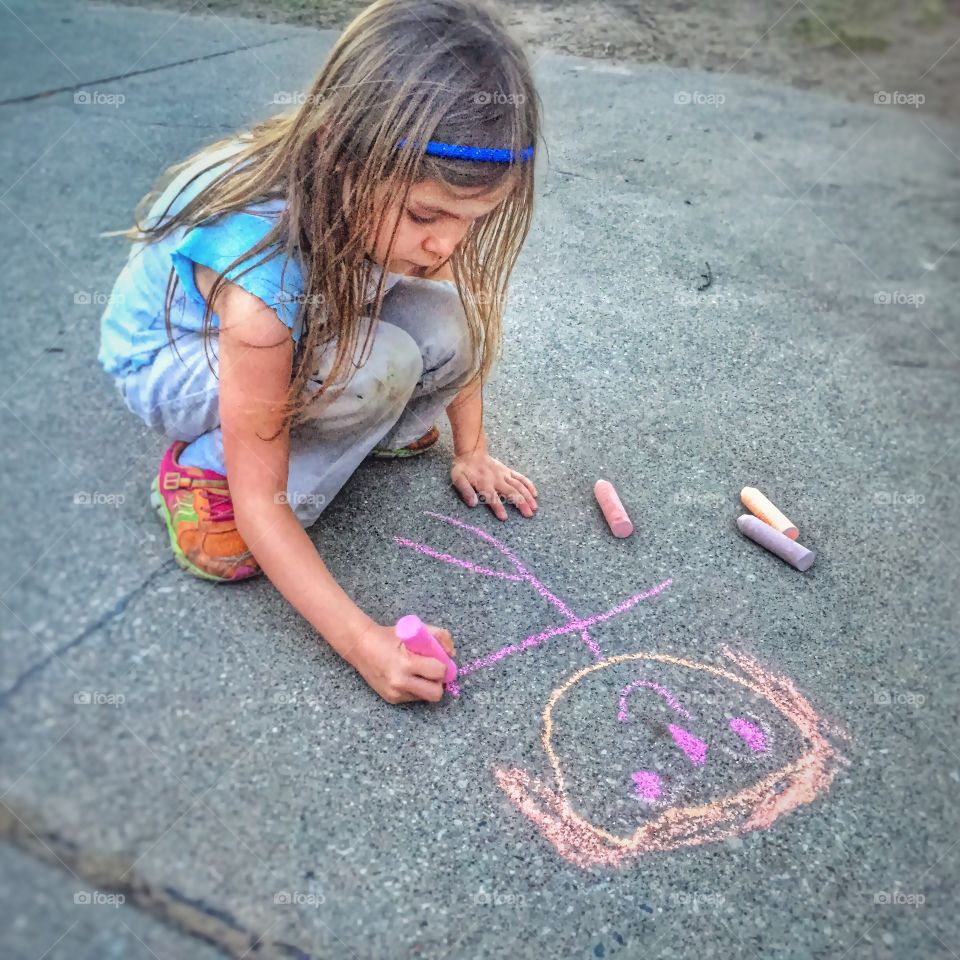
[(192, 916), (113, 613), (26, 98)]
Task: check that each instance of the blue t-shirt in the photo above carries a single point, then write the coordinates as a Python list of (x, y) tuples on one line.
[(132, 325)]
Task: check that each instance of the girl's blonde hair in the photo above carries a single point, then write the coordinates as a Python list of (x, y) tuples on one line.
[(417, 69)]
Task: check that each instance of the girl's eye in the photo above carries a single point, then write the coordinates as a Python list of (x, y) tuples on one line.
[(416, 219)]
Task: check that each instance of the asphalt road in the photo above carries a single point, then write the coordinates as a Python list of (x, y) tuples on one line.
[(208, 778)]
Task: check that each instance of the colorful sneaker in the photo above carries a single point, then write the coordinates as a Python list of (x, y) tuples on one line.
[(195, 505), (411, 449)]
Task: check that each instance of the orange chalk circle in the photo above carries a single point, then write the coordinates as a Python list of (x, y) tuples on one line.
[(756, 807), (761, 507)]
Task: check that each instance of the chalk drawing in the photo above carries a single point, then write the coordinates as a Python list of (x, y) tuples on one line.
[(646, 784), (574, 623), (751, 735), (756, 806), (670, 699), (693, 747), (549, 807)]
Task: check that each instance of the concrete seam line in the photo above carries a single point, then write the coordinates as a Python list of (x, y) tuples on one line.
[(26, 98), (188, 915), (116, 611)]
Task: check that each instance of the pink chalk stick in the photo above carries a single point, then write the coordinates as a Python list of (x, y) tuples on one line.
[(418, 639), (613, 511)]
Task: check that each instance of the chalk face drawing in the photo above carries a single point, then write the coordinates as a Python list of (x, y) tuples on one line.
[(654, 752), (693, 787)]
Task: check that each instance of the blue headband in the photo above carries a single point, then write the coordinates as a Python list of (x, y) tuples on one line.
[(487, 154)]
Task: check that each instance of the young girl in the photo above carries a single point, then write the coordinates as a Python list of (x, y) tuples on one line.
[(319, 289)]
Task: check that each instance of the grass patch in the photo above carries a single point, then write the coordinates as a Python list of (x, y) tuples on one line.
[(305, 13), (930, 13), (857, 24)]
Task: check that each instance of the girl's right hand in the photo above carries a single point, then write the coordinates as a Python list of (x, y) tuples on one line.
[(398, 675)]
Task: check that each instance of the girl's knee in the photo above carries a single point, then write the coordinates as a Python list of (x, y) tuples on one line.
[(432, 312), (388, 375), (394, 367), (448, 352)]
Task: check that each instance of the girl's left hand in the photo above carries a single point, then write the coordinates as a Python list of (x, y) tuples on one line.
[(480, 478)]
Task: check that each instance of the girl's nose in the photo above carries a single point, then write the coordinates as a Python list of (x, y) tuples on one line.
[(441, 245), (439, 249)]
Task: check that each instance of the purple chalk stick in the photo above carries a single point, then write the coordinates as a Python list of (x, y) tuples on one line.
[(796, 554)]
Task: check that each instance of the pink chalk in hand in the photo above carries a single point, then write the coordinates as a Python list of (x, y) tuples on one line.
[(419, 640), (613, 512)]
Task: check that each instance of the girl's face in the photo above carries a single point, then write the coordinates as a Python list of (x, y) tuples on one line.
[(432, 223)]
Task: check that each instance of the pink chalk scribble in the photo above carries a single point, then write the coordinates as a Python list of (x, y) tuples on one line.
[(574, 623), (646, 784), (751, 735), (668, 697), (693, 747)]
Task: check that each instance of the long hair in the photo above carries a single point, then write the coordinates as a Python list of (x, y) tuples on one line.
[(416, 69)]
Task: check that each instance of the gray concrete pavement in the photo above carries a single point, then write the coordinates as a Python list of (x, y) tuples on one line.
[(195, 749), (49, 913)]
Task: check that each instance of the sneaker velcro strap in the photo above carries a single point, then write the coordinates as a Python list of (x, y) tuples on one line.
[(171, 480), (174, 481)]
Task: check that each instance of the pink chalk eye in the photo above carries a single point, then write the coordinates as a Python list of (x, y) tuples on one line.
[(693, 747), (646, 784), (750, 734)]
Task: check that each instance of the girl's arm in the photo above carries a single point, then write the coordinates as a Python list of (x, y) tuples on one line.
[(256, 357)]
